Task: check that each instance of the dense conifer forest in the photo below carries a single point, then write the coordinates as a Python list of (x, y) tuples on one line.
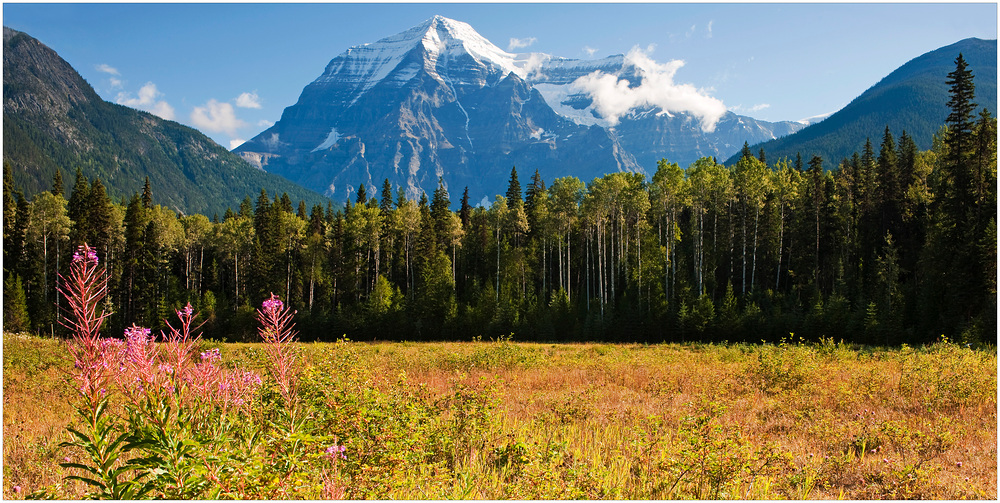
[(892, 245)]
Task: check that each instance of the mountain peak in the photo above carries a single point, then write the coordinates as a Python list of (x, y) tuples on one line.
[(439, 39)]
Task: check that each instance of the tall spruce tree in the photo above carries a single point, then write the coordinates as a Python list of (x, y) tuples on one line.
[(513, 189)]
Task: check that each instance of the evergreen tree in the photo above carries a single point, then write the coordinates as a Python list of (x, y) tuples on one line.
[(465, 212), (78, 209), (440, 205), (15, 305), (147, 195), (58, 187), (386, 196), (99, 219), (246, 208), (10, 219), (362, 196), (533, 194), (513, 189)]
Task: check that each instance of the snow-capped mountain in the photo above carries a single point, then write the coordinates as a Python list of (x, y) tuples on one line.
[(439, 100)]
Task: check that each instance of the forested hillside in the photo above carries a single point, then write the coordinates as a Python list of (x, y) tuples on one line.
[(913, 98), (894, 245), (53, 119)]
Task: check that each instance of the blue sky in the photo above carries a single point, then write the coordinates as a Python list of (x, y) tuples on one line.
[(231, 69)]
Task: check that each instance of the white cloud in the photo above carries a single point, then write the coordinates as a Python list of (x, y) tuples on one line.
[(709, 35), (236, 142), (148, 100), (614, 97), (589, 50), (264, 123), (106, 68), (115, 82), (755, 108), (533, 65), (248, 100), (216, 117), (519, 43)]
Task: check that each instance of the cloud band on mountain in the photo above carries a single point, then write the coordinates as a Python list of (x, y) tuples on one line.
[(614, 97), (147, 100), (217, 117)]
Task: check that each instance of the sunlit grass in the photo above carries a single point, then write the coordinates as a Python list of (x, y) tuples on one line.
[(502, 419)]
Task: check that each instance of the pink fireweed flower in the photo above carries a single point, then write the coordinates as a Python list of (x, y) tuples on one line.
[(273, 305), (211, 356), (86, 254), (335, 452)]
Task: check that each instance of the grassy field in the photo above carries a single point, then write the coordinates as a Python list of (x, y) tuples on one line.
[(501, 419)]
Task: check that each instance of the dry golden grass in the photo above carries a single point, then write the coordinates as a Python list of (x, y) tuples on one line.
[(854, 423)]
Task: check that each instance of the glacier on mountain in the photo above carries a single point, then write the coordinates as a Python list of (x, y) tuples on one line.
[(440, 100)]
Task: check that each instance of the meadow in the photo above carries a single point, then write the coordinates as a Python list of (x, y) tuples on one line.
[(500, 419)]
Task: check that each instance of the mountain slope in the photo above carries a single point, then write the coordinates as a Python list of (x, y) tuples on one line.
[(439, 100), (53, 118), (913, 98)]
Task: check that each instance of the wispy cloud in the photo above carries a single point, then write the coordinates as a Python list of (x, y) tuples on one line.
[(236, 142), (753, 108), (589, 50), (614, 97), (264, 123), (520, 43), (248, 100), (709, 34), (106, 68), (217, 117), (148, 100)]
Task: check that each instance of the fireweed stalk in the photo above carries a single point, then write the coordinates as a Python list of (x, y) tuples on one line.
[(168, 396), (84, 289), (100, 439), (276, 329)]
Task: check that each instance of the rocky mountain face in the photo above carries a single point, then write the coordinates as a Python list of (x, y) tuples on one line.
[(441, 101), (53, 119)]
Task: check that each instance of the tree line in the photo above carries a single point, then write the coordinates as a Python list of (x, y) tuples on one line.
[(893, 245)]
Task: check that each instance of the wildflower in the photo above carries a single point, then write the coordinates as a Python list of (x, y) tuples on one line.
[(86, 254), (187, 311), (17, 489), (336, 451), (958, 464), (273, 304), (885, 460), (211, 356)]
